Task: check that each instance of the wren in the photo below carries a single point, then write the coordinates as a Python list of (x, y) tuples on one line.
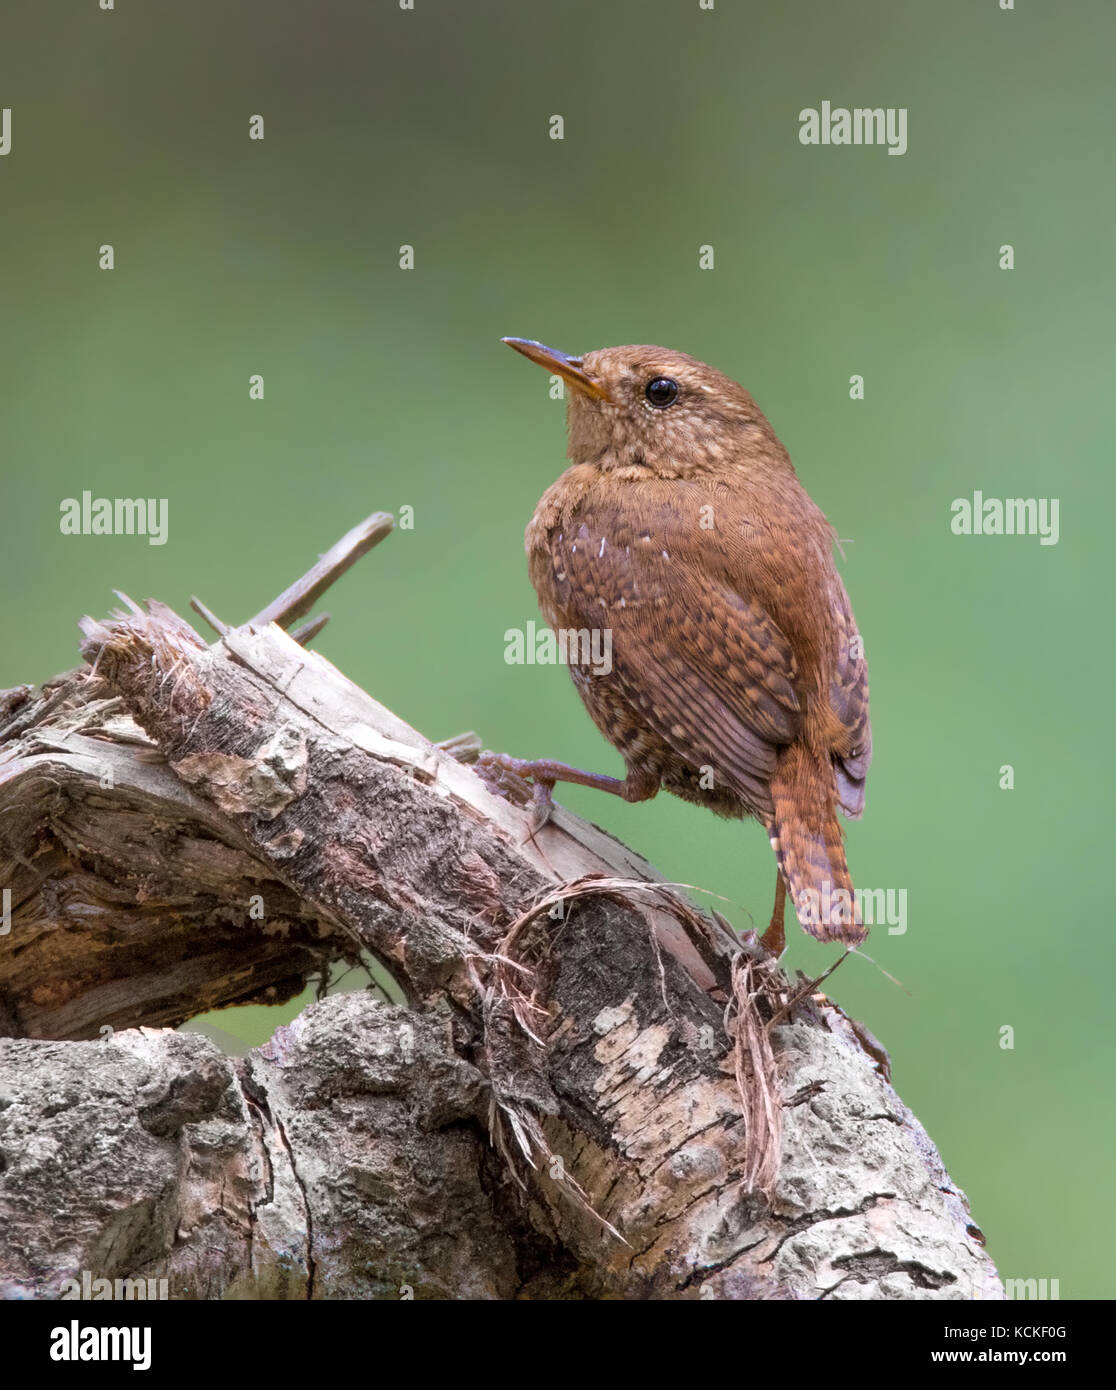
[(737, 677)]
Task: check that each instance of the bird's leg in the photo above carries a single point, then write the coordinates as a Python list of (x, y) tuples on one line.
[(638, 785), (774, 938)]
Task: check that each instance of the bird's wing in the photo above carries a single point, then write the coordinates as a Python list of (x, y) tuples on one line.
[(708, 671), (848, 695)]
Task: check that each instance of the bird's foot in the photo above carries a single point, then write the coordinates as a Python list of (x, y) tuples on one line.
[(518, 780), (774, 939), (501, 773)]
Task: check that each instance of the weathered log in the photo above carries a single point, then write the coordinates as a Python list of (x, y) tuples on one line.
[(559, 1111)]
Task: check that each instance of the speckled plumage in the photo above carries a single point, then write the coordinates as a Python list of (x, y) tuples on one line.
[(737, 678)]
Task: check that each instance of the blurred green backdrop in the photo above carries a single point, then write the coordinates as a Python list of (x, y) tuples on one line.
[(387, 387)]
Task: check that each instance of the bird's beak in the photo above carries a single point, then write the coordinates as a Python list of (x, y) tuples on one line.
[(569, 368)]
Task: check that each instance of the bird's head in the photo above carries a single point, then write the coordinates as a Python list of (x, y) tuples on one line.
[(644, 407)]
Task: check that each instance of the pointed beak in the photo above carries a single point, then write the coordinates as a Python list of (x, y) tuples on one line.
[(569, 368)]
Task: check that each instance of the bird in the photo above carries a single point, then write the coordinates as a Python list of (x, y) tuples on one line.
[(682, 540)]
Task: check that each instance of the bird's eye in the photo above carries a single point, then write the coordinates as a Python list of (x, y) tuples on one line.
[(661, 392)]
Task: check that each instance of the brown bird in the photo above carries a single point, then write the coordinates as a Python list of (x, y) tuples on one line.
[(682, 540)]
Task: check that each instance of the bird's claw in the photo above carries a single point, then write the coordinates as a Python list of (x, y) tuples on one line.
[(500, 777), (511, 778), (542, 805)]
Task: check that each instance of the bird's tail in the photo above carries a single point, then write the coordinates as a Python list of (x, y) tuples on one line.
[(808, 843)]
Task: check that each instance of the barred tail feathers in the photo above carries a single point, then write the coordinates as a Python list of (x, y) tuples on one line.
[(809, 848)]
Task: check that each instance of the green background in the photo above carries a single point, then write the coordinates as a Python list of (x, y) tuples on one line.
[(387, 388)]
